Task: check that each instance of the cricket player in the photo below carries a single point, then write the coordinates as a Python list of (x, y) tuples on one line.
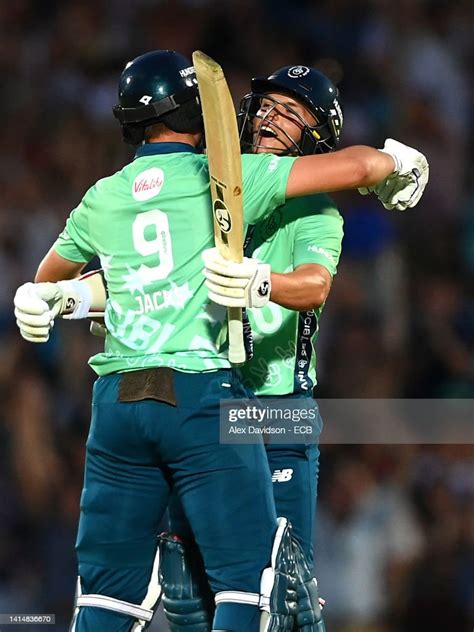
[(295, 111), (155, 405)]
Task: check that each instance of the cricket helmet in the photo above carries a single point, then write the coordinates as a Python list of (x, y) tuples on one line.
[(313, 90), (159, 86)]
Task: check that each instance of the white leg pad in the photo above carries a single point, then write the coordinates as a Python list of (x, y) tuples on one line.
[(277, 598), (116, 605), (143, 613), (237, 596)]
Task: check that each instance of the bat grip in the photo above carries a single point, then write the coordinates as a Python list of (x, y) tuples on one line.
[(236, 335)]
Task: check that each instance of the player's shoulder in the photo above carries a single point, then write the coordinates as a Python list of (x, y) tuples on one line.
[(113, 184), (253, 164), (104, 186), (159, 168), (268, 161)]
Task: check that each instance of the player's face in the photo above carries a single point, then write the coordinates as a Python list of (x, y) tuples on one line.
[(278, 124)]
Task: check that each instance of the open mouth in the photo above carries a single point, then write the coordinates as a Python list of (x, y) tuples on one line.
[(267, 132)]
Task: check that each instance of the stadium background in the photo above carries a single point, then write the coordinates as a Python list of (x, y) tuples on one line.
[(394, 542)]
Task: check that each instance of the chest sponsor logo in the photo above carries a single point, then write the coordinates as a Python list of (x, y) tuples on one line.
[(148, 184)]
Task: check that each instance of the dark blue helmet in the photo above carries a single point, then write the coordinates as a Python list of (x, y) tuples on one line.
[(159, 86), (309, 87)]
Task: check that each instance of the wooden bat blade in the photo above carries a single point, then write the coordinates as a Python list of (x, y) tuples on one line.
[(223, 151), (225, 174)]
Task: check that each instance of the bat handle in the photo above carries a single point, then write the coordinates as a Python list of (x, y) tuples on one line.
[(236, 336)]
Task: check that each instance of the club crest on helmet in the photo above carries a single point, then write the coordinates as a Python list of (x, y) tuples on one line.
[(298, 71)]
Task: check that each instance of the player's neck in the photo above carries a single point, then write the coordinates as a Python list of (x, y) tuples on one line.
[(175, 137)]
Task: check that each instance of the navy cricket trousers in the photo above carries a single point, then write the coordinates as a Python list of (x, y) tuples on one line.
[(136, 453)]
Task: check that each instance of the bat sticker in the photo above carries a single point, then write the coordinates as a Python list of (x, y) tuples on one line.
[(222, 215), (221, 212)]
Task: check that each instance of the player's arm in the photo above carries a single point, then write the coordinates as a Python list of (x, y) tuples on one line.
[(317, 243), (54, 268), (37, 305), (350, 168), (317, 240), (252, 284), (307, 287), (397, 174)]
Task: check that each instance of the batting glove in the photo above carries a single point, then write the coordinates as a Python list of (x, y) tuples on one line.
[(404, 187), (245, 284), (38, 304)]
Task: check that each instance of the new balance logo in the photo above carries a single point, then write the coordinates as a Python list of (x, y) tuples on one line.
[(282, 476)]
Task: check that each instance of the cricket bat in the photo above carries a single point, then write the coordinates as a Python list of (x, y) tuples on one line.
[(225, 172)]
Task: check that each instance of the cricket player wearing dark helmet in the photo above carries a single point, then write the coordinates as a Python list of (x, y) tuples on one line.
[(297, 94), (159, 86)]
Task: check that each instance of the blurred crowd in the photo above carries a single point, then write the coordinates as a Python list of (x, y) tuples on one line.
[(395, 523)]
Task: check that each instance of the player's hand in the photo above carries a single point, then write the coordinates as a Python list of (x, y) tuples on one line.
[(38, 304), (404, 187), (36, 307), (245, 284)]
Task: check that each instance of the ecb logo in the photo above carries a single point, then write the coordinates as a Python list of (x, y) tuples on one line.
[(295, 72)]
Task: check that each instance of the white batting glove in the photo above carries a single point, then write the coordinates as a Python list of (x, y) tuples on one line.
[(38, 304), (404, 187), (245, 284)]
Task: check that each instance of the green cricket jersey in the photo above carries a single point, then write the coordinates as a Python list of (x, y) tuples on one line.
[(304, 230), (148, 223)]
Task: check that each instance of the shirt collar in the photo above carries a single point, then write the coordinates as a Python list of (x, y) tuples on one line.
[(151, 149)]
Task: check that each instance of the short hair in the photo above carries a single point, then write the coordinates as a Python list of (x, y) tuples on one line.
[(155, 131)]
